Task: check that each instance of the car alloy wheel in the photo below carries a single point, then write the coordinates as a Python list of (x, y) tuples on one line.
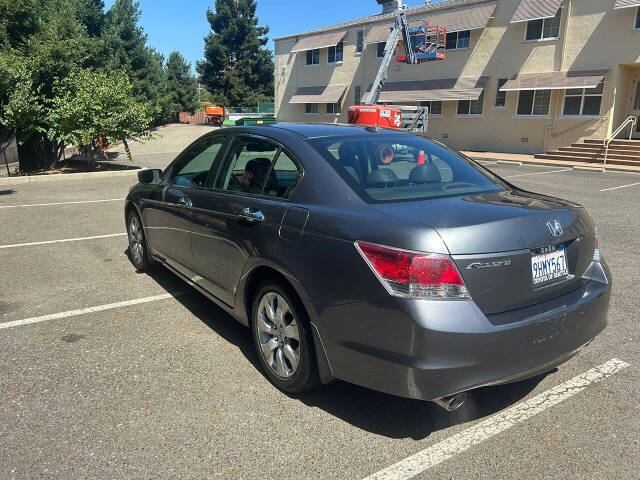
[(136, 241), (278, 335)]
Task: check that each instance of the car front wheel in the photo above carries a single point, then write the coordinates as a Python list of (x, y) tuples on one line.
[(282, 338)]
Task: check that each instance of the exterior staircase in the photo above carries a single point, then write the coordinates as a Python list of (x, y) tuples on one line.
[(621, 152)]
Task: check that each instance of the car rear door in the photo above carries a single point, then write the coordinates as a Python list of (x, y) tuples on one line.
[(238, 217), (168, 218)]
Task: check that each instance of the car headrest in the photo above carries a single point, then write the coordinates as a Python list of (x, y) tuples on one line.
[(381, 176), (427, 173)]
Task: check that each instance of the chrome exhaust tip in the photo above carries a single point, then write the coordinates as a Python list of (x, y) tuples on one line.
[(451, 402)]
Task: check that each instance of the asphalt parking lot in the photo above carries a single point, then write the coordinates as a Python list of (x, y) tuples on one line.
[(109, 373)]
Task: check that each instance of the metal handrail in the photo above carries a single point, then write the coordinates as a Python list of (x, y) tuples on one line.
[(631, 121)]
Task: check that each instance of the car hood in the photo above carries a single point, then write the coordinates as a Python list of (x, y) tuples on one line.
[(495, 222)]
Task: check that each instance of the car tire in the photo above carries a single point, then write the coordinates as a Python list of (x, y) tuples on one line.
[(138, 250), (282, 338)]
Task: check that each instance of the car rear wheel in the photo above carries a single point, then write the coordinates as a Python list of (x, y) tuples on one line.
[(138, 252), (282, 338)]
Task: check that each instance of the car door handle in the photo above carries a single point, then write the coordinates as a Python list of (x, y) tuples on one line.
[(185, 202), (251, 215)]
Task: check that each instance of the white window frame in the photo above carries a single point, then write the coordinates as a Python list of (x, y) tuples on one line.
[(306, 56), (582, 98), (306, 106), (336, 108), (428, 103), (335, 53), (499, 92), (471, 115), (458, 40), (544, 22), (359, 42), (636, 20), (533, 104)]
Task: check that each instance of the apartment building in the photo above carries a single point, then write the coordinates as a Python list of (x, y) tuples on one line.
[(522, 76)]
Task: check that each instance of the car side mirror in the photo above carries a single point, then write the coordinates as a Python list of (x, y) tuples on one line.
[(150, 176)]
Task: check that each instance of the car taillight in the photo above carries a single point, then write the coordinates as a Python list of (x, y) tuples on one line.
[(596, 252), (412, 274)]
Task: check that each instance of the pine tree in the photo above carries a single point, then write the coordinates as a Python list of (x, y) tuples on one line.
[(181, 87), (237, 67), (127, 44)]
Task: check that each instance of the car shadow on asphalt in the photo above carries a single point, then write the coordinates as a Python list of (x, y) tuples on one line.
[(369, 410), (7, 192)]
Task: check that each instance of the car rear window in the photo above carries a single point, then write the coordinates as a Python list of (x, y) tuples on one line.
[(388, 168)]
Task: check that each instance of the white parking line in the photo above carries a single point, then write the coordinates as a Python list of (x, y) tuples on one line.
[(460, 442), (64, 240), (621, 186), (539, 173), (84, 311), (62, 203)]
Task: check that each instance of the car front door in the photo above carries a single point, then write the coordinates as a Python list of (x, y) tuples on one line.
[(240, 216), (168, 219)]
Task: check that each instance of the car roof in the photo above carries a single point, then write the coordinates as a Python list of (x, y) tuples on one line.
[(319, 130)]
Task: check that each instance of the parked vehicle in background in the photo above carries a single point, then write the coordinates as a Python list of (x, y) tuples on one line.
[(374, 256)]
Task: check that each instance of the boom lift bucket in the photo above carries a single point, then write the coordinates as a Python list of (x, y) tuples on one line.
[(428, 44)]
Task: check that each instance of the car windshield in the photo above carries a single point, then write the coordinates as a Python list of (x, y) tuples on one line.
[(388, 168)]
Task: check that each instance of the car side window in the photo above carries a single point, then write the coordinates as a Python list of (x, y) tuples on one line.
[(284, 177), (248, 166), (193, 168)]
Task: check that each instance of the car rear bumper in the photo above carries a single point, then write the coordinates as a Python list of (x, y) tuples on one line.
[(429, 349)]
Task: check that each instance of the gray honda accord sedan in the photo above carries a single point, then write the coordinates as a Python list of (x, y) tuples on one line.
[(374, 256)]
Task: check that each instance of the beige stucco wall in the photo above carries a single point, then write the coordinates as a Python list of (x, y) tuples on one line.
[(593, 36)]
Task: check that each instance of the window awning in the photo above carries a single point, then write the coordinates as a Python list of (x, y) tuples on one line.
[(626, 4), (318, 94), (379, 34), (442, 89), (535, 10), (472, 17), (555, 80), (323, 40)]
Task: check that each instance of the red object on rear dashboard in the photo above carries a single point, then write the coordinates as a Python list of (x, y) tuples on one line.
[(375, 116)]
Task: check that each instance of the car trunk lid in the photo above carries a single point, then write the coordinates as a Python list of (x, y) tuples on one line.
[(492, 238)]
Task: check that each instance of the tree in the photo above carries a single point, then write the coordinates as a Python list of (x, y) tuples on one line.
[(128, 51), (91, 107), (181, 87), (237, 67)]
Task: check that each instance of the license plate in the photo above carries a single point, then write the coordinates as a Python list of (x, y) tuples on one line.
[(548, 264)]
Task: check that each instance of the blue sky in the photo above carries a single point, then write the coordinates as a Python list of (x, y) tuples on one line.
[(181, 24)]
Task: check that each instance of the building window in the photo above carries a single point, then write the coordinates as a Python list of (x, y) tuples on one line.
[(333, 108), (638, 19), (311, 108), (501, 97), (357, 95), (313, 57), (360, 41), (458, 40), (336, 53), (547, 28), (534, 103), (471, 107), (435, 107), (381, 46), (583, 101)]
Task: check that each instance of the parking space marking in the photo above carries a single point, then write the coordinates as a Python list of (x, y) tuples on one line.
[(62, 203), (539, 173), (64, 240), (84, 311), (460, 442), (621, 186)]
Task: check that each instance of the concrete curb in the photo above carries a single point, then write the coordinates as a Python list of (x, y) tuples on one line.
[(551, 163), (61, 177)]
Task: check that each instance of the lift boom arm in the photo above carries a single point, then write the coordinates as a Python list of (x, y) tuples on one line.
[(399, 32)]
